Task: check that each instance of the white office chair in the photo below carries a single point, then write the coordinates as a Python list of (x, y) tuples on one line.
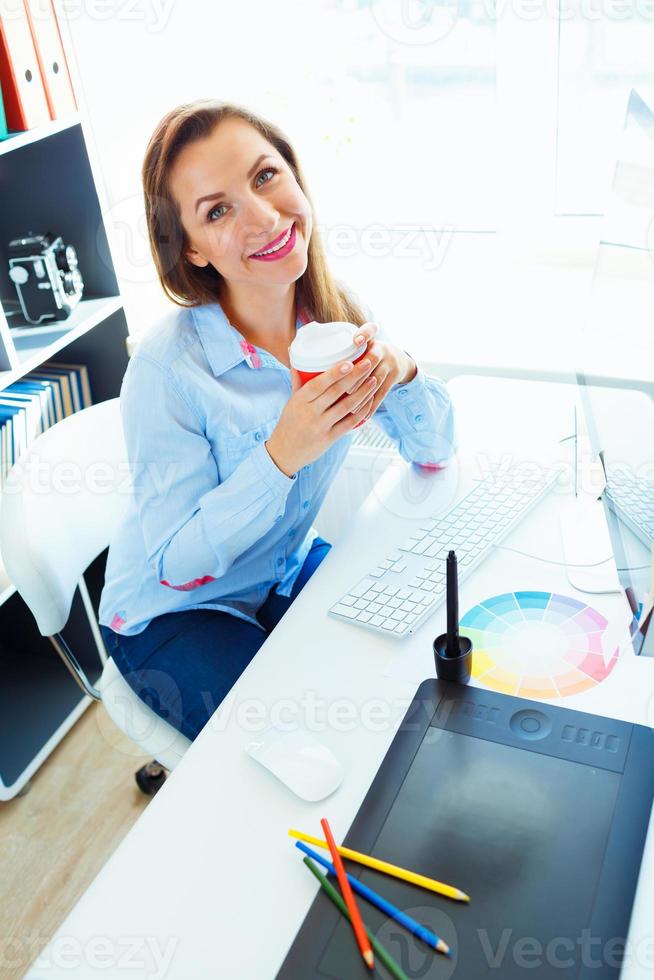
[(60, 506)]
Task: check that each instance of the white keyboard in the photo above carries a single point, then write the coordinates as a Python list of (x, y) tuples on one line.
[(632, 500), (403, 590)]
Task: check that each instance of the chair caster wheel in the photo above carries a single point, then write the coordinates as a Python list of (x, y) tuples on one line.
[(150, 778)]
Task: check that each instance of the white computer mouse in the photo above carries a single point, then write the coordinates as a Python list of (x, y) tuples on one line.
[(306, 766)]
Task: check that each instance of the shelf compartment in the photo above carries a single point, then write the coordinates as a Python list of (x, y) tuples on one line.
[(15, 141), (34, 345)]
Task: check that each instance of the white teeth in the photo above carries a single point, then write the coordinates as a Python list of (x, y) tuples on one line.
[(283, 242)]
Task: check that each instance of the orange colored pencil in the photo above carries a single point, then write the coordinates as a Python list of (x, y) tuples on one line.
[(355, 916)]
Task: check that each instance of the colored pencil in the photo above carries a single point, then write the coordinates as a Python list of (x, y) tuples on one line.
[(390, 869), (391, 965), (360, 933), (385, 906)]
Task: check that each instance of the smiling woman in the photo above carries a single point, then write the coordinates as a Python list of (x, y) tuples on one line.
[(252, 192), (230, 455)]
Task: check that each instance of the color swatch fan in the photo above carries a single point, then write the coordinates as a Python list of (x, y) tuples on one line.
[(539, 644)]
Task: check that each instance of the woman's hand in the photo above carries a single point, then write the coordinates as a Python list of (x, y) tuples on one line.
[(321, 411), (391, 365)]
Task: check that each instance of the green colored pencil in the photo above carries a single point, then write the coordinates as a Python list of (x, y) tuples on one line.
[(391, 965)]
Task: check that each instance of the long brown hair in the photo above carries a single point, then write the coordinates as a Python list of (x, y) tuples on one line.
[(188, 285)]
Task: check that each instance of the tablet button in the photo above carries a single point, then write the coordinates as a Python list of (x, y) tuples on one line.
[(530, 724)]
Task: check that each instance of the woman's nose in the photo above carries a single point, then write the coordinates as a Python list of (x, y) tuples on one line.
[(261, 217)]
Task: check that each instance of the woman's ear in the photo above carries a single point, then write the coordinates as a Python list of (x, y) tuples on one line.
[(193, 256)]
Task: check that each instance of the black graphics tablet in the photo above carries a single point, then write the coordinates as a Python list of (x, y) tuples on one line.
[(539, 813)]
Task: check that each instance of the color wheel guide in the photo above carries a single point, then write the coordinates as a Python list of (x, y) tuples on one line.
[(535, 636)]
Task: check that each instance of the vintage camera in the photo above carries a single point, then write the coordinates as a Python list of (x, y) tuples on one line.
[(45, 274)]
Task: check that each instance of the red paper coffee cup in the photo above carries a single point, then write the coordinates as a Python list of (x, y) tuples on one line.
[(318, 346)]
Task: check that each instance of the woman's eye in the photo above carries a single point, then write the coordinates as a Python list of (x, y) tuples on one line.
[(268, 170), (213, 211)]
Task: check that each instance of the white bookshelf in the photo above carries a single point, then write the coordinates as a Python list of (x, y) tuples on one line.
[(49, 182)]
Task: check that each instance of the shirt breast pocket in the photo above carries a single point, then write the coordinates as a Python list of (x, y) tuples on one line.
[(233, 449)]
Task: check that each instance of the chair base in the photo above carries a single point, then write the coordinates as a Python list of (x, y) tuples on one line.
[(150, 778)]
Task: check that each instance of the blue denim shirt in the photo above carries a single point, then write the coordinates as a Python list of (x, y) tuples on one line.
[(213, 522)]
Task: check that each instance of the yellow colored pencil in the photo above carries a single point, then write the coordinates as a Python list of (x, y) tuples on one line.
[(390, 869)]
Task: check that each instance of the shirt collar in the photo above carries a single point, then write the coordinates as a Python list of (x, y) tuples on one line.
[(224, 345)]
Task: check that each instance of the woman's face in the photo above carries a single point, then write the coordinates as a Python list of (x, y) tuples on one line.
[(238, 197)]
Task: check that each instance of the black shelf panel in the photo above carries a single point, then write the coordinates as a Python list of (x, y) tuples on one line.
[(37, 693)]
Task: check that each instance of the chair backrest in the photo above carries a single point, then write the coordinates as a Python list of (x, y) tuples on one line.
[(60, 505)]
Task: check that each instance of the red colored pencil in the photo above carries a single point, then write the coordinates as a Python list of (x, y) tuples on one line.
[(352, 907)]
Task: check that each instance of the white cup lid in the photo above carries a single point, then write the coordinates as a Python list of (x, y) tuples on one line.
[(318, 346)]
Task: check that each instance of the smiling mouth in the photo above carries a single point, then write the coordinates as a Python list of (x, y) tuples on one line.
[(274, 246)]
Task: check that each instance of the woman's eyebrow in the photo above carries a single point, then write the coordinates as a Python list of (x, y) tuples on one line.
[(213, 197)]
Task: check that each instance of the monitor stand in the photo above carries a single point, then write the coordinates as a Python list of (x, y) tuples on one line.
[(586, 541)]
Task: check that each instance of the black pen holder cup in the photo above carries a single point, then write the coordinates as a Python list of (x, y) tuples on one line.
[(453, 668)]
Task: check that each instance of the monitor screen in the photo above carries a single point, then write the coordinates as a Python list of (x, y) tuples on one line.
[(616, 375)]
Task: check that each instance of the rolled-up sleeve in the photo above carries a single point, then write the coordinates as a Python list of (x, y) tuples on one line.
[(194, 526), (419, 417)]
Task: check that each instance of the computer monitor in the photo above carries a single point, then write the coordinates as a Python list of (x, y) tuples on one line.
[(616, 375)]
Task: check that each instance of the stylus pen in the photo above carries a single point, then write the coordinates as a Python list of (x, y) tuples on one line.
[(452, 647), (391, 910)]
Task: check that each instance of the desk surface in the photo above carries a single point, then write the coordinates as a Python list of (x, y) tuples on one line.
[(206, 883)]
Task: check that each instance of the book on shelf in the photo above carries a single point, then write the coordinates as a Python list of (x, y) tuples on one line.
[(61, 383), (79, 378), (50, 398), (25, 102), (6, 443), (40, 399), (16, 435), (4, 133), (44, 27)]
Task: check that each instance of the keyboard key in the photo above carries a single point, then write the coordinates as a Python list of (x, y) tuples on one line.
[(361, 604), (377, 587), (421, 546), (403, 594), (389, 624), (377, 572), (394, 603), (398, 615), (399, 567), (346, 611), (374, 607), (361, 588), (364, 617), (391, 590), (376, 620), (348, 600)]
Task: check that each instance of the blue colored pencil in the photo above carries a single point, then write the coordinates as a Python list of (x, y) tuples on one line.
[(390, 910)]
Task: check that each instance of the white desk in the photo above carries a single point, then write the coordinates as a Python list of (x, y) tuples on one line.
[(207, 883)]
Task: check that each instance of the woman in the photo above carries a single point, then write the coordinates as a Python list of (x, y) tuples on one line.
[(230, 457)]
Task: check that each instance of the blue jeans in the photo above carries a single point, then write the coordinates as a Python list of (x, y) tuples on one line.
[(183, 664)]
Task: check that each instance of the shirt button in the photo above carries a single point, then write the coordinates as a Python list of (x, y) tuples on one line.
[(419, 418), (306, 505), (280, 561), (402, 392), (258, 436), (278, 519)]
